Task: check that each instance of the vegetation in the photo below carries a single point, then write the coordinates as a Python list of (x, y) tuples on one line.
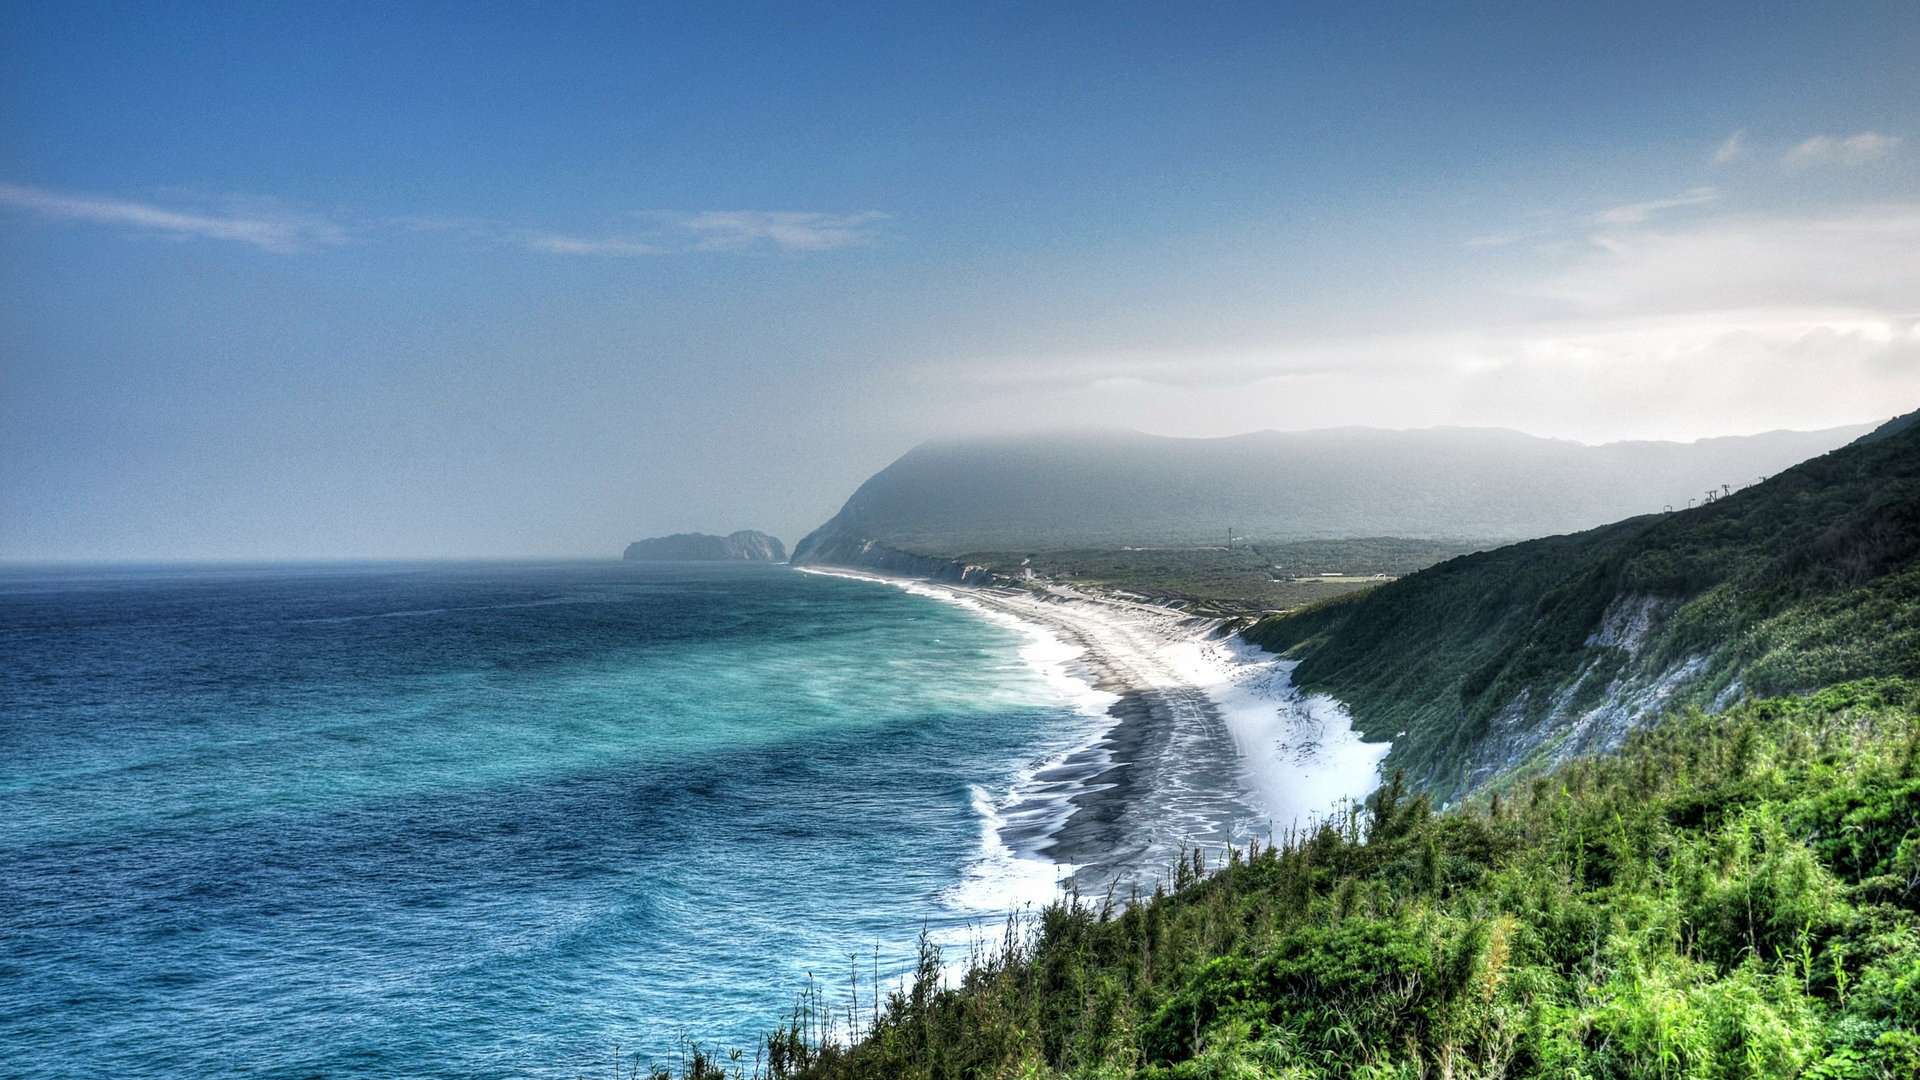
[(1730, 896), (1810, 578), (1249, 578), (1733, 894)]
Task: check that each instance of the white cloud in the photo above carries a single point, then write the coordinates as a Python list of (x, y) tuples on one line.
[(1849, 257), (1683, 376), (265, 225), (575, 245), (746, 230), (1721, 326), (1732, 148), (1862, 149), (1634, 213), (740, 231), (269, 230)]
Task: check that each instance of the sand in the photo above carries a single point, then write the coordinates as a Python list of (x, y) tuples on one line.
[(1199, 739)]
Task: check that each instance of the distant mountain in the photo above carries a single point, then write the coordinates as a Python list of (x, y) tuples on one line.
[(745, 545), (1511, 660), (1109, 489)]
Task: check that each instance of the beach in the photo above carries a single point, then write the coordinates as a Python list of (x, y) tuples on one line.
[(1195, 739)]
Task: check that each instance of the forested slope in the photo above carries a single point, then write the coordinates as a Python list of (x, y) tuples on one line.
[(1530, 654)]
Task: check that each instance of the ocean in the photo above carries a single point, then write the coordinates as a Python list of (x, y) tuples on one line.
[(486, 819)]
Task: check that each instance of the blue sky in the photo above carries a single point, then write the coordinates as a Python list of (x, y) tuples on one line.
[(317, 280)]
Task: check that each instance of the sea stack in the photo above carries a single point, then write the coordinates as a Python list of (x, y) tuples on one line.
[(746, 545)]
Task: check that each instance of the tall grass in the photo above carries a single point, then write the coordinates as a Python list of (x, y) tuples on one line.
[(1731, 896)]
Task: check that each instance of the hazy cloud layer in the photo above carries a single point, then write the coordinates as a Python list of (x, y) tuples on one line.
[(1634, 213), (271, 231), (1854, 256), (287, 232), (1732, 148), (556, 244), (1711, 327), (742, 230), (1865, 148), (737, 231)]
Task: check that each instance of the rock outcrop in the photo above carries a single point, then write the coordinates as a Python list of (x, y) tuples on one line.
[(743, 546)]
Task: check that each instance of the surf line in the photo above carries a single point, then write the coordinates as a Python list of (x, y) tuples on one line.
[(1192, 739)]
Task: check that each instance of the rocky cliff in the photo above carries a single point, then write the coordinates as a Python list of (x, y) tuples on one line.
[(743, 546)]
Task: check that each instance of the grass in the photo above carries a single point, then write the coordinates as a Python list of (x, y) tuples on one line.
[(1729, 897), (1248, 579)]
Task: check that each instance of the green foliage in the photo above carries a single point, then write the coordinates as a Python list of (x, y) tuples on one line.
[(1731, 895), (1248, 579), (1720, 900), (1808, 579)]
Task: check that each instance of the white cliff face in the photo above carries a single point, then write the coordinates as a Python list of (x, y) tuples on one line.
[(1613, 693), (1629, 621)]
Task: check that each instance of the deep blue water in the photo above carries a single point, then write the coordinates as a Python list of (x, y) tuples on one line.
[(474, 820)]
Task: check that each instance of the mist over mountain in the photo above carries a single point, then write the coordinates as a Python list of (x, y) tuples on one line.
[(1114, 488)]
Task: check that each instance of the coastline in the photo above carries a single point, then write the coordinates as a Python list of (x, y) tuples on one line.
[(1194, 739)]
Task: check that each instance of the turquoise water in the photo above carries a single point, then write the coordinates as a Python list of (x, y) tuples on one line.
[(477, 820)]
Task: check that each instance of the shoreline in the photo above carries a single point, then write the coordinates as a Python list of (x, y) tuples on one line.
[(1194, 740)]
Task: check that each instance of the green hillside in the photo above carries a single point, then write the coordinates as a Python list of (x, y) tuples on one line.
[(1729, 897), (1528, 654), (1693, 850)]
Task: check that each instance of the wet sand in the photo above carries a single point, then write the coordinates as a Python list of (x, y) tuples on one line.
[(1167, 771), (1166, 775)]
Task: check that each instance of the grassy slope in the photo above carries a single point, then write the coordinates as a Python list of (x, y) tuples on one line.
[(1730, 895), (1735, 896), (1807, 579)]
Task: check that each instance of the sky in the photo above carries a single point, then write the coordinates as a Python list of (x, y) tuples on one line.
[(479, 280)]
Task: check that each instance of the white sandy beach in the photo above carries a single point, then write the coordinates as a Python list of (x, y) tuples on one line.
[(1193, 739)]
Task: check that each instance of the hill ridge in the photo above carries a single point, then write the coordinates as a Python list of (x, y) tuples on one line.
[(1524, 656), (949, 497)]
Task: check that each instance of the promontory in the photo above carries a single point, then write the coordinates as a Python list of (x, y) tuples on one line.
[(743, 546)]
